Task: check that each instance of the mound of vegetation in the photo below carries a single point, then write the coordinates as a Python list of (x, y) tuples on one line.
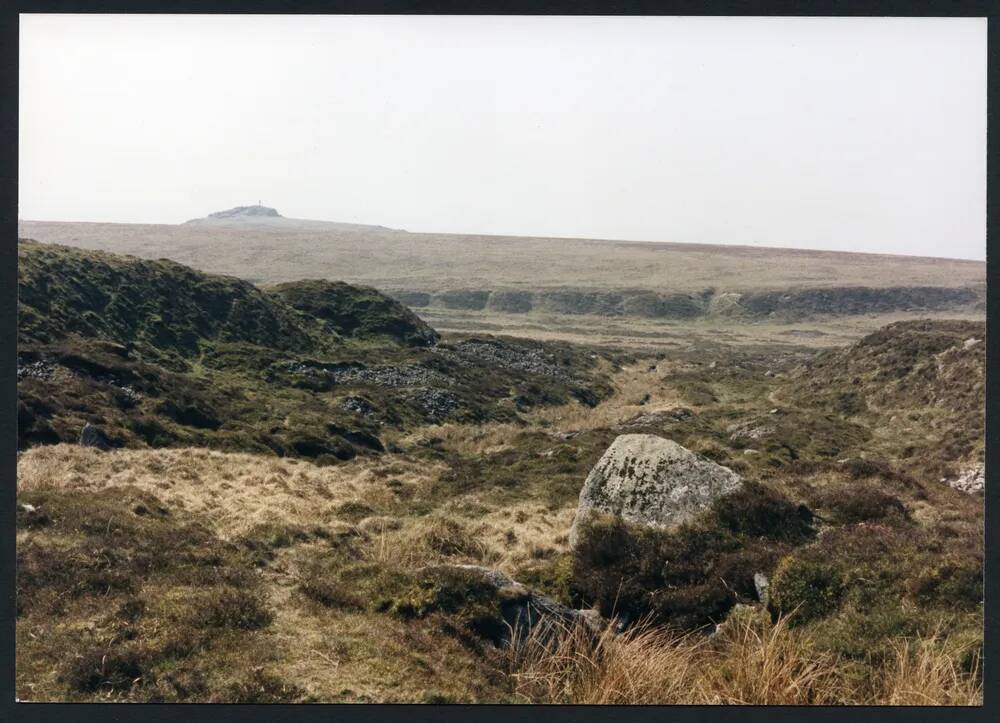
[(922, 383), (153, 353), (161, 309), (691, 576), (356, 311)]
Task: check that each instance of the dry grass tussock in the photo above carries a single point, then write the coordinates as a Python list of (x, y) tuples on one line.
[(750, 662), (237, 494)]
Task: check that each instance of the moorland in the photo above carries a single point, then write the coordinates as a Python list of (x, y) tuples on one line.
[(255, 473)]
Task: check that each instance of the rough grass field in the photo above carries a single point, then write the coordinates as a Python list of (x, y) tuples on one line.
[(332, 551)]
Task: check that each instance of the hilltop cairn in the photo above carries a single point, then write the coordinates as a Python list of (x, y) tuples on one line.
[(649, 480)]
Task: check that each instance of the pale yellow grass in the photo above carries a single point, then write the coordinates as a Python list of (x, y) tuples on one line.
[(233, 492), (751, 662)]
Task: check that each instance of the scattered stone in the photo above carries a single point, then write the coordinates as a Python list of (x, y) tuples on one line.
[(435, 404), (91, 436), (768, 373), (657, 419), (749, 452), (762, 586), (969, 343), (773, 411), (474, 352), (358, 405), (35, 370), (751, 429), (653, 481), (410, 375), (713, 365), (970, 481)]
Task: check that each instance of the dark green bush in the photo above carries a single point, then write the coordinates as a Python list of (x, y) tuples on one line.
[(806, 589), (464, 595), (687, 577), (955, 584)]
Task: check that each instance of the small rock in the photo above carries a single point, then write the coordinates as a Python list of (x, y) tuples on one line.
[(749, 452), (91, 436), (773, 411), (763, 586), (970, 481), (969, 343)]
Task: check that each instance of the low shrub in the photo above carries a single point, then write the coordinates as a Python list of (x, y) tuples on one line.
[(860, 503), (806, 590), (258, 688), (464, 595), (759, 511), (951, 583), (103, 670), (231, 607)]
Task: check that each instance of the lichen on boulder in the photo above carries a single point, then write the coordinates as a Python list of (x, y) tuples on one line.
[(649, 480)]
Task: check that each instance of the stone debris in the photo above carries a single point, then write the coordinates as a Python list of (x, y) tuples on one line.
[(525, 359), (762, 586), (435, 404), (970, 481)]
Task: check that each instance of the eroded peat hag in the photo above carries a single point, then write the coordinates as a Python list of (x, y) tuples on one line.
[(310, 477)]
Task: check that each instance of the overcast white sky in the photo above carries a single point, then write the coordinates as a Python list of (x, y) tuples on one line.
[(851, 134)]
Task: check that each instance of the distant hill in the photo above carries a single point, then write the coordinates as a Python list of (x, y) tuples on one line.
[(462, 281), (266, 218)]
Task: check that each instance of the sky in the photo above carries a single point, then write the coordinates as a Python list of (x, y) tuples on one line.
[(864, 134)]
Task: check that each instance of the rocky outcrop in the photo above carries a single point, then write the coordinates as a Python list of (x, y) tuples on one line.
[(783, 305), (649, 480), (257, 210), (970, 481)]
